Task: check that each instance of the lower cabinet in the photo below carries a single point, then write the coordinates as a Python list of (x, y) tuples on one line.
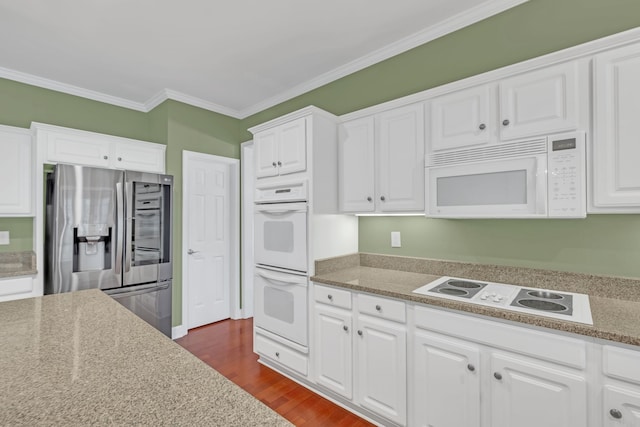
[(12, 288), (621, 387), (360, 353)]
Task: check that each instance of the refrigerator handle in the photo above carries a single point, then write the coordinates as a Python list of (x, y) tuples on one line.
[(119, 227), (128, 215)]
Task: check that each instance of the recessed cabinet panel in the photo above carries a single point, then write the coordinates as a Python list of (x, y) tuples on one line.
[(539, 102), (461, 119), (266, 153), (356, 166), (621, 406), (16, 170), (77, 149), (139, 157), (531, 393), (292, 148), (616, 148), (446, 381)]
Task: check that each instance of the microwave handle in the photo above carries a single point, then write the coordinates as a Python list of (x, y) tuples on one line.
[(541, 186), (277, 279)]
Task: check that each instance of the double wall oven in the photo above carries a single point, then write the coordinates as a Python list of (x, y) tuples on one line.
[(281, 256)]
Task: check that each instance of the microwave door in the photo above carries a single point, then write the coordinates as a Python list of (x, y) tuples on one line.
[(147, 249)]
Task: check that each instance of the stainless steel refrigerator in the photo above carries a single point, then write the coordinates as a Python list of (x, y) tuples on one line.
[(111, 230)]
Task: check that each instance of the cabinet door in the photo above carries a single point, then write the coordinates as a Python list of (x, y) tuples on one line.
[(460, 119), (400, 159), (333, 351), (292, 147), (15, 171), (382, 368), (77, 149), (356, 166), (266, 153), (616, 148), (139, 157), (621, 406), (539, 102), (446, 382), (531, 393)]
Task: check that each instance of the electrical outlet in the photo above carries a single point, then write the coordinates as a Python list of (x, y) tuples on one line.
[(395, 239), (4, 237)]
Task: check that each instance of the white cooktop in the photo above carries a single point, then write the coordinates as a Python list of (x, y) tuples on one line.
[(568, 306)]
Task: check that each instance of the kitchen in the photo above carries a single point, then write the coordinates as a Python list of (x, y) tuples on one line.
[(600, 244)]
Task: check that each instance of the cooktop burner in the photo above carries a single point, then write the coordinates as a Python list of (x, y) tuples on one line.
[(460, 288)]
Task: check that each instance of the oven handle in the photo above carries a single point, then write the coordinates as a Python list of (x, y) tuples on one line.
[(279, 280), (281, 209)]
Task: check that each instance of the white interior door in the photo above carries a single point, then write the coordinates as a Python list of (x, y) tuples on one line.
[(207, 239)]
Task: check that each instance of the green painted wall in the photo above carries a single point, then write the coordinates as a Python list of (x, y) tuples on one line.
[(604, 244), (20, 234)]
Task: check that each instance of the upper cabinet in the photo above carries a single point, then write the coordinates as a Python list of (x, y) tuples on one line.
[(381, 166), (16, 171), (615, 179), (64, 145), (281, 150), (539, 102)]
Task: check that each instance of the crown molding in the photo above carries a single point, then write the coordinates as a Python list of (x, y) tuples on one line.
[(456, 22), (57, 86), (461, 20)]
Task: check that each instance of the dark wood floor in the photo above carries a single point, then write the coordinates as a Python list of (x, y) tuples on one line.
[(227, 347)]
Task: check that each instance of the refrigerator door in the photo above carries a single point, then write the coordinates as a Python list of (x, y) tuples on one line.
[(152, 303), (147, 249), (84, 233)]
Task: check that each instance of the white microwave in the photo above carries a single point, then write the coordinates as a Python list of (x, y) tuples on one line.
[(541, 178)]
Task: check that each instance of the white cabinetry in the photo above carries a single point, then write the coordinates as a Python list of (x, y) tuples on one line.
[(64, 145), (365, 364), (16, 172), (381, 166), (458, 358), (621, 387), (281, 150), (12, 288), (615, 179), (535, 103)]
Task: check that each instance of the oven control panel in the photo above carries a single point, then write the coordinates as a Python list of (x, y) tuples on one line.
[(566, 176)]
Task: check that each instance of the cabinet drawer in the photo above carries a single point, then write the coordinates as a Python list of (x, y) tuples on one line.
[(13, 286), (281, 354), (382, 307), (332, 296), (621, 363)]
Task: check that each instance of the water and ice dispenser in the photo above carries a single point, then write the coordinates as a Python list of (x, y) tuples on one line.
[(92, 247)]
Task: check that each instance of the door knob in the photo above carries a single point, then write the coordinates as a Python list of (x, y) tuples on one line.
[(482, 126), (191, 252)]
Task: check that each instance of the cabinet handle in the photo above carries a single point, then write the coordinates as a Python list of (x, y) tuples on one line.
[(119, 159), (482, 126), (105, 157), (346, 328), (382, 198), (359, 332), (279, 163), (369, 199), (505, 122), (497, 375), (274, 164), (471, 367), (615, 414), (378, 308), (277, 354), (330, 297)]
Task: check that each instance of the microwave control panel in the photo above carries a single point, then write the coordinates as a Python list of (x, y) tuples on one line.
[(566, 176)]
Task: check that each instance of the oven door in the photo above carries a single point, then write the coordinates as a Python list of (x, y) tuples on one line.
[(280, 232), (510, 188), (281, 304)]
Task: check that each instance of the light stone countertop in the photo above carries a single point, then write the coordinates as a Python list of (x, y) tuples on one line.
[(81, 358), (13, 264), (614, 317)]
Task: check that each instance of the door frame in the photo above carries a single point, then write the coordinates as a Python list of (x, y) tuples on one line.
[(234, 234), (247, 154)]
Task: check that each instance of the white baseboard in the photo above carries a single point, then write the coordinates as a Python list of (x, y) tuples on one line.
[(178, 331)]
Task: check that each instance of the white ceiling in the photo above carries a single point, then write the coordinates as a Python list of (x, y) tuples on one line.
[(236, 57)]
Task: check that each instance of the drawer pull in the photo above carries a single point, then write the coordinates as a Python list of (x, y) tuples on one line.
[(359, 332), (277, 354), (346, 328), (471, 367), (497, 375), (330, 297), (378, 307), (616, 414)]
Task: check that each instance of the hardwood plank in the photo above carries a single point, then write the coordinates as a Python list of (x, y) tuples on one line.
[(227, 346)]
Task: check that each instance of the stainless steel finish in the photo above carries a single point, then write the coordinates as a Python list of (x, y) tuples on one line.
[(360, 332), (378, 308), (382, 198), (615, 414), (191, 252), (482, 126), (346, 328), (93, 241), (505, 122), (497, 375), (471, 367)]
